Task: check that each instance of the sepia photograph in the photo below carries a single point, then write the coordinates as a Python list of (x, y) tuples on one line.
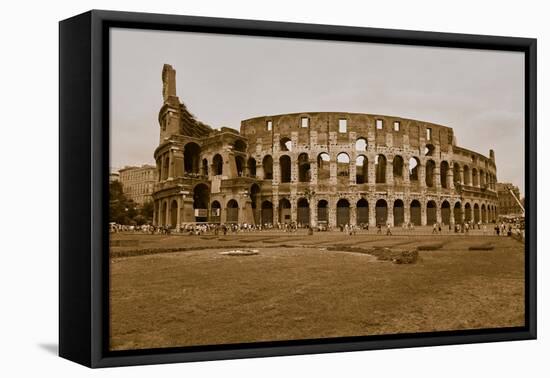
[(267, 189)]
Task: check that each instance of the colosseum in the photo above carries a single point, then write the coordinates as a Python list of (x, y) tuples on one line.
[(316, 169)]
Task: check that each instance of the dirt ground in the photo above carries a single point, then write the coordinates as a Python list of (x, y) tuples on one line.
[(303, 287)]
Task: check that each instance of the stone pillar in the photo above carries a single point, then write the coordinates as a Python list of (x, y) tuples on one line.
[(293, 208), (450, 179), (423, 214), (293, 169), (259, 170), (352, 172), (406, 211), (276, 171), (438, 213), (177, 162), (178, 220), (390, 219), (333, 171), (332, 212), (389, 172), (188, 213), (406, 178), (371, 172), (167, 213), (422, 175), (313, 212), (170, 164), (372, 213), (437, 178), (353, 214), (461, 170), (314, 170)]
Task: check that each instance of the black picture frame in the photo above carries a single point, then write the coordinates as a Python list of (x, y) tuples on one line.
[(84, 172)]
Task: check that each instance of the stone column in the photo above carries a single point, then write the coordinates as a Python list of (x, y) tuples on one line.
[(293, 169), (423, 214), (353, 214), (389, 172), (293, 209), (332, 212), (352, 172), (406, 211), (170, 164), (313, 212), (406, 178), (390, 219), (259, 170), (371, 179), (333, 171), (422, 175), (177, 162), (450, 179), (372, 213), (314, 170), (437, 178), (461, 170), (438, 213)]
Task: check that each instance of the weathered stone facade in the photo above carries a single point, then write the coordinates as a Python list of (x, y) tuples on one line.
[(316, 168), (507, 204)]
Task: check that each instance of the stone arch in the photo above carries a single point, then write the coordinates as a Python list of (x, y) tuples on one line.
[(380, 168), (323, 166), (267, 212), (457, 212), (204, 168), (431, 212), (217, 163), (215, 212), (201, 199), (443, 173), (362, 211), (342, 212), (416, 213), (445, 212), (173, 213), (284, 211), (303, 214), (239, 146), (255, 202), (232, 211), (430, 173), (361, 144), (251, 164), (429, 150), (361, 169), (239, 164), (342, 167), (477, 216), (285, 167), (456, 174), (191, 158), (398, 212), (267, 164), (322, 211), (381, 211), (467, 212), (304, 168), (414, 168), (475, 177), (398, 164), (483, 214), (285, 144)]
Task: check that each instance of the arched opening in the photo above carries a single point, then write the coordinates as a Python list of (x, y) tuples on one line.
[(431, 212), (217, 163), (232, 211), (443, 173), (322, 212), (284, 211), (174, 213), (361, 145), (255, 201), (304, 168), (239, 164), (323, 166), (201, 199), (467, 212), (476, 213), (429, 150), (286, 144), (267, 164), (430, 169), (361, 170), (284, 165), (446, 212), (475, 177), (204, 167), (380, 168), (267, 213), (342, 212), (191, 158), (398, 168), (342, 169), (398, 212), (381, 210), (303, 212), (362, 212), (239, 146), (483, 214), (416, 213), (414, 167), (458, 213), (456, 174), (215, 212), (482, 179), (163, 212), (466, 172), (251, 167)]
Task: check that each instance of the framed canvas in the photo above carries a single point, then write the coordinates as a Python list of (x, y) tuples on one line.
[(235, 188)]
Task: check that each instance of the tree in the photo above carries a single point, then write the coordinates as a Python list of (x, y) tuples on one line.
[(121, 209)]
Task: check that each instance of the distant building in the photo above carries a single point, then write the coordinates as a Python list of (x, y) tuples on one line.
[(138, 182), (114, 176), (507, 204)]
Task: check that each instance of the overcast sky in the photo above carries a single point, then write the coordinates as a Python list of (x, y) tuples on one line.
[(225, 79)]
